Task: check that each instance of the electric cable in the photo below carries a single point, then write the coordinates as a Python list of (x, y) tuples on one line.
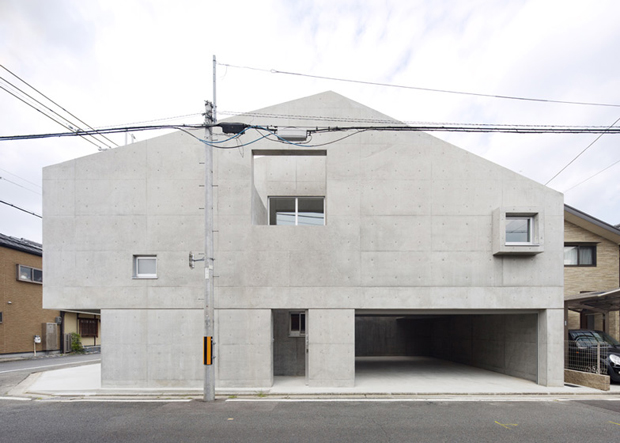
[(592, 176), (35, 89), (69, 123), (17, 184), (579, 155), (418, 88), (21, 209), (51, 118), (21, 178)]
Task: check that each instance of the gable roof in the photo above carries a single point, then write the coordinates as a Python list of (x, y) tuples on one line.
[(21, 244), (592, 224)]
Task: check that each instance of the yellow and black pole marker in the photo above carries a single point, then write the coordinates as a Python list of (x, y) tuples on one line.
[(207, 351)]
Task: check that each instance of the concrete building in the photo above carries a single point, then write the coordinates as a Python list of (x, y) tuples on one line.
[(356, 243), (591, 272)]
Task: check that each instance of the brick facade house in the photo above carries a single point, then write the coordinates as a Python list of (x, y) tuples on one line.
[(591, 265)]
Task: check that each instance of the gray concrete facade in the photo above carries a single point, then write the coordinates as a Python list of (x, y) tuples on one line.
[(412, 226)]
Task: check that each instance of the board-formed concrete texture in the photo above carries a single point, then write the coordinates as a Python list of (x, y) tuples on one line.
[(412, 226)]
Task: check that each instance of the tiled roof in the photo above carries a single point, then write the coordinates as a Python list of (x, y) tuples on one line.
[(21, 244)]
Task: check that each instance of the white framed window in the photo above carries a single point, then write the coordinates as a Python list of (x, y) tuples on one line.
[(144, 266), (519, 230), (297, 211), (297, 324), (29, 274)]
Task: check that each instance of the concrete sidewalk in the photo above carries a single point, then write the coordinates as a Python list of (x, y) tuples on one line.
[(413, 377)]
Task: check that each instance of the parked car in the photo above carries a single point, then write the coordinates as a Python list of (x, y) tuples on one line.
[(582, 352)]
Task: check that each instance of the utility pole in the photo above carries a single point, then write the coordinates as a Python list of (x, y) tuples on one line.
[(209, 381), (209, 312)]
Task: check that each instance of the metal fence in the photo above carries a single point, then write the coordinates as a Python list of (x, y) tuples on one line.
[(586, 356)]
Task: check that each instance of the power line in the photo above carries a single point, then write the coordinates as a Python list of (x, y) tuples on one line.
[(21, 178), (418, 88), (579, 155), (154, 120), (81, 133), (445, 127), (50, 117), (35, 89), (592, 176), (69, 123), (21, 209), (17, 184)]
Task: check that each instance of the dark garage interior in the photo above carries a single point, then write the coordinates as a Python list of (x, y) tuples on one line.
[(504, 343)]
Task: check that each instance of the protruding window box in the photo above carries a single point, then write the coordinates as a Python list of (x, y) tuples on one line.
[(518, 231)]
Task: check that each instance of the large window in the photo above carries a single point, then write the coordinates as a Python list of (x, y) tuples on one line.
[(519, 229), (579, 255), (145, 266), (297, 211), (32, 275), (297, 324), (89, 327)]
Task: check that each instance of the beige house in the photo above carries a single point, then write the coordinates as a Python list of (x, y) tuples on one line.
[(591, 272)]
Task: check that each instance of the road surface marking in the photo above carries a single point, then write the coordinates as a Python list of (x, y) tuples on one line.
[(505, 425), (48, 366)]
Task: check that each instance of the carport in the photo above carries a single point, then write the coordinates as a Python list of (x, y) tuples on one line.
[(409, 343), (589, 304)]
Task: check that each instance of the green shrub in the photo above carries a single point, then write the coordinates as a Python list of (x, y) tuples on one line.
[(76, 343)]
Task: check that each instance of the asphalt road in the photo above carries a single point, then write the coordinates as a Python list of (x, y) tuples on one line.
[(14, 372), (270, 421)]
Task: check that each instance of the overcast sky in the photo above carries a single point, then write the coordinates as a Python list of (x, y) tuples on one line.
[(121, 62)]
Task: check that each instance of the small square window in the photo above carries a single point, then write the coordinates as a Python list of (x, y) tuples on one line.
[(145, 266), (519, 230), (579, 255), (297, 324)]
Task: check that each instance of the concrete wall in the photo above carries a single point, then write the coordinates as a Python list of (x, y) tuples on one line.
[(408, 226), (101, 210), (392, 336), (502, 343), (244, 349), (151, 348)]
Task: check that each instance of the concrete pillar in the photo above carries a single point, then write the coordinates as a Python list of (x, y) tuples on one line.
[(550, 347), (331, 347), (243, 350)]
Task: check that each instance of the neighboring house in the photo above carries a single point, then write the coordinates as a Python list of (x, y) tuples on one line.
[(22, 316), (591, 272), (379, 243)]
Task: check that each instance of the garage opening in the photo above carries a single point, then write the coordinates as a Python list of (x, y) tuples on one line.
[(504, 343)]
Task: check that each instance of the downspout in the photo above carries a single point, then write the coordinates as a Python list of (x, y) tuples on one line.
[(62, 332)]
